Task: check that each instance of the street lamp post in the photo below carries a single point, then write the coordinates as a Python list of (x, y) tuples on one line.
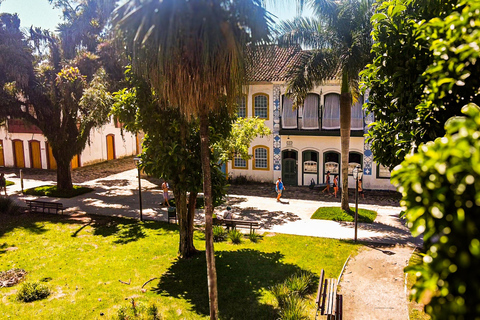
[(138, 161), (357, 175)]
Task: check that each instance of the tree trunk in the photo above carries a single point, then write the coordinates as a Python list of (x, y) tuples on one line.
[(192, 200), (64, 175), (207, 192), (345, 124), (185, 246)]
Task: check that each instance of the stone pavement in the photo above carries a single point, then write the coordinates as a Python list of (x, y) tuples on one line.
[(117, 195)]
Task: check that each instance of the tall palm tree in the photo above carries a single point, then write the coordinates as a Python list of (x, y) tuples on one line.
[(339, 44), (192, 53)]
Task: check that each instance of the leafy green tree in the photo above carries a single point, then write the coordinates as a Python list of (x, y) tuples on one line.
[(406, 113), (64, 97), (172, 151), (441, 182), (192, 53), (441, 190), (340, 43)]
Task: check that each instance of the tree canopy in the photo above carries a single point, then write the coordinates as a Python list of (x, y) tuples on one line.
[(409, 46)]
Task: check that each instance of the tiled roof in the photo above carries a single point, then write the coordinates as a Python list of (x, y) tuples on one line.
[(271, 63)]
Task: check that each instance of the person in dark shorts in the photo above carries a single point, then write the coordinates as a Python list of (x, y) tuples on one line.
[(327, 181)]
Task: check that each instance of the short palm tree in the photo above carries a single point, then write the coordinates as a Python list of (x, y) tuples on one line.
[(338, 42), (192, 53)]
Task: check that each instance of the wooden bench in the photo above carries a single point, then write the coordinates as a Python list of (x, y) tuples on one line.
[(44, 206), (328, 302), (233, 223)]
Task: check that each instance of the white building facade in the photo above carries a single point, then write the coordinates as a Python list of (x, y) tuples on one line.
[(24, 146), (305, 143)]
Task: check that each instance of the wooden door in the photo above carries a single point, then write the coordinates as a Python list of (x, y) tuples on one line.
[(18, 155), (289, 172), (110, 147), (51, 162), (75, 162), (35, 156), (2, 158)]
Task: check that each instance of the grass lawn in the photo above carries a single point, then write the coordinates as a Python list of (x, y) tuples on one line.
[(9, 183), (337, 214), (84, 258), (51, 191), (415, 310)]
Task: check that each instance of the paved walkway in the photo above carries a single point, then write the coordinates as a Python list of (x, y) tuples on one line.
[(373, 280)]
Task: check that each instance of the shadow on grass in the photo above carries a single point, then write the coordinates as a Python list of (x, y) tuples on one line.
[(242, 276), (125, 230)]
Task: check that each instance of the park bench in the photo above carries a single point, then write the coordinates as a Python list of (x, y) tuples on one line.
[(233, 223), (172, 214), (44, 206), (328, 302)]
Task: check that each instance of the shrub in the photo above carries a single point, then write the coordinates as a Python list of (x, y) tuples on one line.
[(300, 283), (32, 291), (138, 310), (291, 293), (440, 186), (294, 308), (8, 206), (253, 236), (235, 236), (219, 233)]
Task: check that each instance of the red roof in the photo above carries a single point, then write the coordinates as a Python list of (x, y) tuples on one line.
[(271, 63)]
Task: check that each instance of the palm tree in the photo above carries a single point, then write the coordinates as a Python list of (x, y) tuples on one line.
[(192, 53), (339, 41)]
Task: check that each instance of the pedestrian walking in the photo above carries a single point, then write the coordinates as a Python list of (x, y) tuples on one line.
[(279, 187), (335, 185), (165, 188), (327, 188)]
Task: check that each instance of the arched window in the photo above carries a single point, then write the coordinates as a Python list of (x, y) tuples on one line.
[(289, 116), (260, 158), (354, 159), (357, 115), (260, 105), (310, 111), (331, 111), (331, 162)]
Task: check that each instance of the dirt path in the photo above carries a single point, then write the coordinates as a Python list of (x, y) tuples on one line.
[(373, 284)]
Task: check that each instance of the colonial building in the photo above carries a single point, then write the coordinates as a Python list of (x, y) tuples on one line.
[(24, 146), (305, 143)]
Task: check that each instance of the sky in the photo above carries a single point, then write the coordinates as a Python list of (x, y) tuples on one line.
[(40, 13)]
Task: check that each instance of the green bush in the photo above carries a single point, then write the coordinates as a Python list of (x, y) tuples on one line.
[(337, 214), (300, 283), (138, 310), (235, 236), (294, 309), (8, 206), (253, 236), (219, 233), (32, 291), (52, 191), (291, 295), (441, 191)]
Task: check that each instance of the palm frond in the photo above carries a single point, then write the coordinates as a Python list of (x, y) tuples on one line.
[(192, 51), (307, 32)]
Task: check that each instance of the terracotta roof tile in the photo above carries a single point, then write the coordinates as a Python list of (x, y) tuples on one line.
[(271, 63)]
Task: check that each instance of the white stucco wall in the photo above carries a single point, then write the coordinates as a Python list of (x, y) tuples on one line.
[(95, 150)]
